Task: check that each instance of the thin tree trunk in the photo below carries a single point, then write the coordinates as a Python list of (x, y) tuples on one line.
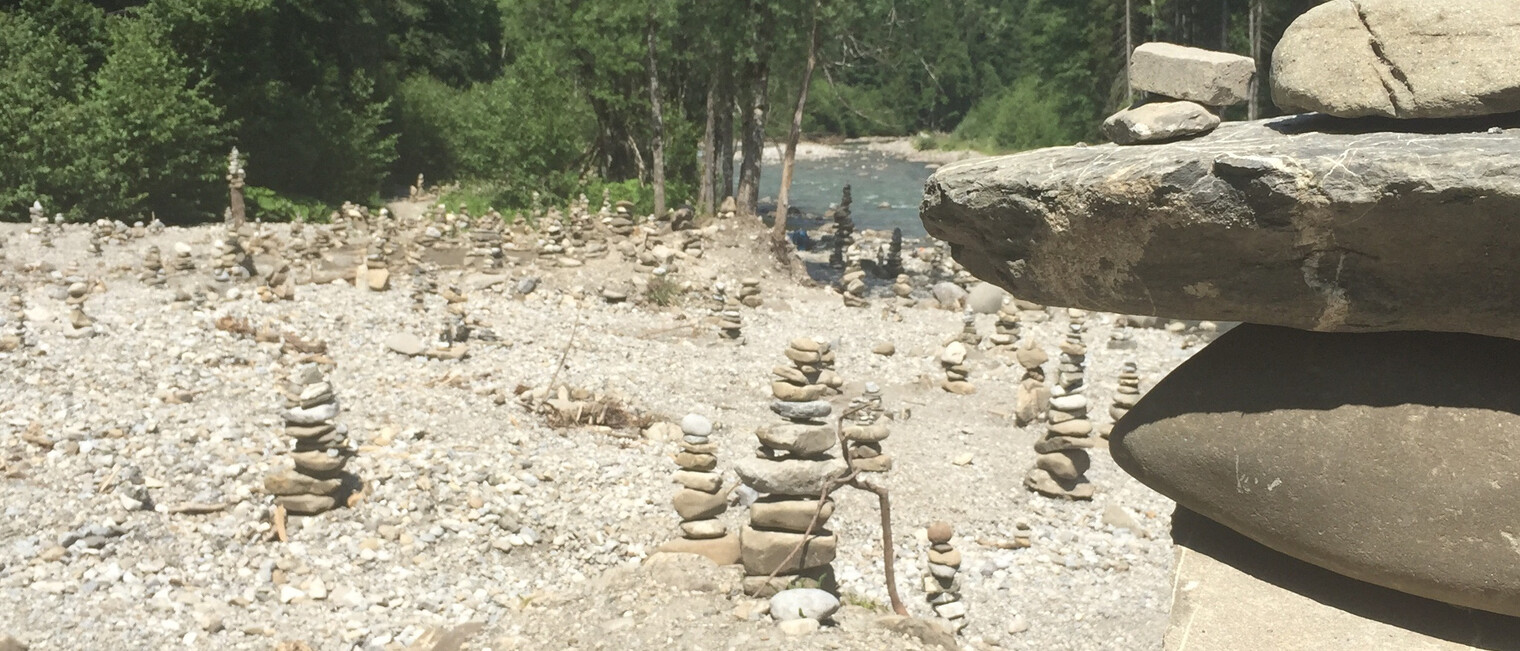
[(1253, 14), (706, 203), (1224, 25), (789, 160), (753, 141), (1129, 50), (725, 141), (659, 125)]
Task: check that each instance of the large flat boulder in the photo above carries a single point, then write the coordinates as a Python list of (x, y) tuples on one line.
[(1309, 222), (1400, 58), (1386, 457), (1190, 73)]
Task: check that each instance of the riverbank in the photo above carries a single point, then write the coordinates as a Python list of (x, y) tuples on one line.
[(900, 147)]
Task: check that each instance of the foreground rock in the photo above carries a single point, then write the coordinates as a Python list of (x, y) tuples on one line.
[(1159, 122), (1189, 73), (1263, 222), (1385, 457), (1400, 58), (1232, 593)]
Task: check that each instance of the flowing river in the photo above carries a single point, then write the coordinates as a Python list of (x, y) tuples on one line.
[(886, 188)]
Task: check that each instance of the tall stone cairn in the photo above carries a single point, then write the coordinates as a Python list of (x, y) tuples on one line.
[(892, 265), (1006, 335), (377, 272), (942, 583), (957, 371), (1033, 397), (14, 334), (100, 232), (969, 335), (80, 324), (726, 309), (317, 482), (40, 226), (237, 214), (702, 499), (153, 267), (1126, 396), (902, 288), (853, 285), (865, 432), (232, 259), (793, 465), (844, 230), (1061, 467)]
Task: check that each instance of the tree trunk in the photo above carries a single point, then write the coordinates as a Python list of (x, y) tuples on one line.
[(789, 160), (659, 126), (1253, 15), (725, 142), (753, 141), (706, 203)]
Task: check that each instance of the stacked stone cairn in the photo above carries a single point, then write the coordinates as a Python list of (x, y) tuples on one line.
[(891, 265), (794, 464), (957, 371), (153, 267), (377, 273), (1125, 397), (14, 335), (1033, 398), (278, 285), (485, 247), (620, 223), (844, 230), (865, 432), (317, 482), (40, 225), (702, 499), (968, 334), (902, 288), (232, 260), (80, 324), (182, 258), (749, 292), (1183, 81), (854, 285), (726, 309), (1006, 335), (1061, 467), (941, 582), (551, 243), (100, 232)]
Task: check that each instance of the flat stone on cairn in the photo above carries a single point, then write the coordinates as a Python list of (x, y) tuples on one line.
[(749, 292), (702, 499), (1191, 74), (317, 483), (941, 581), (968, 333), (957, 371)]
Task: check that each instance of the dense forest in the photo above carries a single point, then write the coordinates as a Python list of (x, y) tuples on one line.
[(125, 109)]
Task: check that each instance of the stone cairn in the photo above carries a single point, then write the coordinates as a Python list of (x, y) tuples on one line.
[(1006, 336), (957, 372), (278, 285), (317, 482), (40, 226), (844, 230), (14, 335), (793, 466), (182, 260), (749, 292), (941, 583), (866, 431), (702, 499), (100, 232), (485, 247), (232, 260), (968, 334), (854, 285), (726, 309), (377, 272), (1125, 397), (902, 288), (153, 267), (1033, 397), (80, 324), (1061, 467), (892, 265)]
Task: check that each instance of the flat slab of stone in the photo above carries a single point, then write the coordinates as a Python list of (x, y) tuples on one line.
[(1190, 73), (1309, 222), (1400, 58), (1159, 122), (1232, 593), (1385, 457)]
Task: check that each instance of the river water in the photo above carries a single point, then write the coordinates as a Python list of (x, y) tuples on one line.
[(886, 189)]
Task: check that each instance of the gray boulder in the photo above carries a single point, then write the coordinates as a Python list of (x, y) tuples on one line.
[(949, 295), (1282, 221), (1400, 58), (1181, 72), (1159, 122), (985, 298), (1385, 457), (803, 603)]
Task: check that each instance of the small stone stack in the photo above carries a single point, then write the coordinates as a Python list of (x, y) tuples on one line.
[(844, 230), (232, 260), (551, 242), (1126, 397), (1061, 467), (317, 482), (485, 248), (1183, 82), (80, 324), (38, 218), (377, 273), (793, 465), (278, 285), (968, 333), (730, 320), (702, 499), (902, 288), (957, 372), (422, 285), (1033, 397), (1007, 333), (14, 335), (866, 431), (182, 260), (155, 227), (749, 292), (100, 231), (153, 267), (854, 285), (620, 223), (892, 264), (941, 583)]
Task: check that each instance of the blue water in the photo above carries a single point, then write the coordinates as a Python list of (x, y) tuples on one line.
[(875, 179)]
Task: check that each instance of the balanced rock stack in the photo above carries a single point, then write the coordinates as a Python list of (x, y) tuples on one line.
[(1006, 335), (1072, 372), (182, 259), (793, 466), (941, 583), (1351, 421), (728, 208), (40, 226), (80, 324), (376, 273), (968, 334), (551, 241), (844, 229), (957, 372), (153, 267), (232, 261), (278, 285), (14, 335), (749, 292), (485, 247), (902, 288), (866, 431), (726, 310), (317, 483), (1126, 396), (702, 499), (853, 284), (100, 231), (1061, 467), (1187, 79)]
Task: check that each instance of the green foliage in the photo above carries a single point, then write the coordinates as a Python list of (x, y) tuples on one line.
[(663, 291), (271, 206), (1025, 116)]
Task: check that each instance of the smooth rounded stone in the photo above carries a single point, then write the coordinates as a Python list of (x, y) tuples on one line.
[(949, 295), (885, 349), (1068, 403), (803, 603), (1126, 399), (1077, 427), (954, 354), (1190, 73), (762, 552), (805, 345), (952, 610), (614, 296), (788, 514), (294, 483), (698, 462), (722, 550), (813, 410), (1054, 416), (801, 440), (405, 343), (1067, 465), (940, 532), (803, 357), (793, 393), (880, 463), (799, 627), (942, 572), (699, 505), (873, 433), (1387, 249), (306, 504), (958, 387), (695, 440), (1060, 443), (317, 415), (790, 374), (985, 298), (798, 477), (696, 425), (703, 529), (707, 482), (1400, 58), (1383, 457), (950, 558), (318, 461), (302, 432), (1041, 482)]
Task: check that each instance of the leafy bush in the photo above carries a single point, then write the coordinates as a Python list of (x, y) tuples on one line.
[(272, 206), (1024, 116)]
